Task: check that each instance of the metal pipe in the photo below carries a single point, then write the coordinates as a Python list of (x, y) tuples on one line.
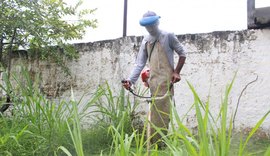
[(125, 19)]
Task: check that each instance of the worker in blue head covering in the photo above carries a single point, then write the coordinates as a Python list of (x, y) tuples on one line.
[(150, 21), (157, 51)]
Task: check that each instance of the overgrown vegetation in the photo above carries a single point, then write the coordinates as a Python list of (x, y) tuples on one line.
[(38, 126)]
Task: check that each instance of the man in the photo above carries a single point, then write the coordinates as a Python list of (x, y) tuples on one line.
[(158, 49)]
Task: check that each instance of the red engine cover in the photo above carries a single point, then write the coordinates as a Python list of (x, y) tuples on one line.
[(145, 74)]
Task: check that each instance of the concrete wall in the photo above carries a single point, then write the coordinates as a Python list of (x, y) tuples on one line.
[(212, 61)]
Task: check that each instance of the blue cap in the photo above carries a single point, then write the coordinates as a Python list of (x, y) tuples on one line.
[(149, 18)]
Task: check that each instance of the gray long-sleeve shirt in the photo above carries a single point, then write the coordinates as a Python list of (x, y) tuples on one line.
[(168, 41)]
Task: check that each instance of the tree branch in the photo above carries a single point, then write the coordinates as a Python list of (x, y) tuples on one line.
[(10, 51), (240, 98)]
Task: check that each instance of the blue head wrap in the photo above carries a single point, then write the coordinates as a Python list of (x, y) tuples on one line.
[(149, 18)]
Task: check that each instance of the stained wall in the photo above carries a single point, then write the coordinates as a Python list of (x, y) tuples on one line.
[(213, 59)]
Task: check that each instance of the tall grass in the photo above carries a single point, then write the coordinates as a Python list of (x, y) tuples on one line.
[(43, 120), (214, 135), (213, 138), (40, 126), (111, 108), (121, 141), (252, 132), (75, 133)]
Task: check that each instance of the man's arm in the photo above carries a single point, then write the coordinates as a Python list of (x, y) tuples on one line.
[(177, 47), (139, 64), (176, 73), (180, 64)]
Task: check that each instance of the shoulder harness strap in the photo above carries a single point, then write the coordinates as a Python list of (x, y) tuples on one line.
[(152, 48)]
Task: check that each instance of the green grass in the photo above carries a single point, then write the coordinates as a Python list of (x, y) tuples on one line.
[(41, 127), (255, 147)]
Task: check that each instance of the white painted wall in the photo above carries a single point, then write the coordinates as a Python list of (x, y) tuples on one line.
[(212, 60)]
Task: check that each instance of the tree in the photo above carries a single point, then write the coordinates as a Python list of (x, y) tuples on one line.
[(38, 26)]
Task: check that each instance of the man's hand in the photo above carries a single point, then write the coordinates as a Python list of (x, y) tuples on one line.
[(126, 84), (175, 77)]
